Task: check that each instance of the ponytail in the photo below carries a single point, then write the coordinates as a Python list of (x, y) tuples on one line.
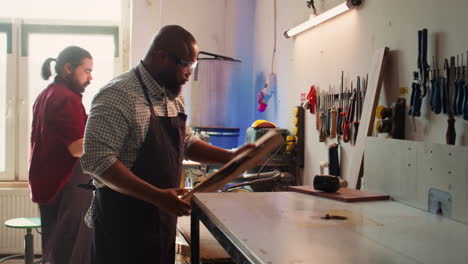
[(45, 71)]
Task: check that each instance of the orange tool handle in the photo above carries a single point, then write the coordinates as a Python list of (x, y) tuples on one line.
[(345, 131)]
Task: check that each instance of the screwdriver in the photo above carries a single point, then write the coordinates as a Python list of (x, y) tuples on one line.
[(349, 118), (451, 134), (358, 108), (465, 87), (339, 109), (333, 121)]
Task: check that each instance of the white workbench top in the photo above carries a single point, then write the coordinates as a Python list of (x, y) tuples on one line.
[(286, 227)]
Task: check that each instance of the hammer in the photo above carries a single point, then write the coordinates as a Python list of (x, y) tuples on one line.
[(329, 183)]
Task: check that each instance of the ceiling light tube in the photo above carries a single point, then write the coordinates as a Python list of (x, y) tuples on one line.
[(314, 21)]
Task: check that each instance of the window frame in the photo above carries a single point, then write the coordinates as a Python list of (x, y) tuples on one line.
[(10, 80), (17, 143)]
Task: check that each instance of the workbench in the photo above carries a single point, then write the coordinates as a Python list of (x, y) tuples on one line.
[(287, 227)]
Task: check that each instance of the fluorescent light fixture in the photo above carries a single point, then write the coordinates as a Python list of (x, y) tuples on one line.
[(312, 22)]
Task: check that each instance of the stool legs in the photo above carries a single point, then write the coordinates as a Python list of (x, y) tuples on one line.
[(28, 247)]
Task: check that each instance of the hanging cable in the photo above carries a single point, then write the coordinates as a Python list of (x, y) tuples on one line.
[(274, 39)]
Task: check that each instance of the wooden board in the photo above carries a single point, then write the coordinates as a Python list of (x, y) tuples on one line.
[(234, 168), (368, 114), (210, 249), (343, 194)]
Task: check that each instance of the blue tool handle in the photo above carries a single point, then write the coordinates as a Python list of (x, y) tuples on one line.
[(413, 94), (433, 94), (417, 103), (465, 102), (437, 100), (444, 89), (460, 97), (455, 98)]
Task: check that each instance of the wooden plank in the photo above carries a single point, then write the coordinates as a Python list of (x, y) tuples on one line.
[(368, 114), (210, 249), (11, 184), (343, 194), (234, 168)]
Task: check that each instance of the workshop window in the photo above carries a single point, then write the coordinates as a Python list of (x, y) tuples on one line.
[(3, 102), (27, 39)]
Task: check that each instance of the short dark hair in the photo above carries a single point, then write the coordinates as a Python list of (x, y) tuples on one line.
[(71, 54)]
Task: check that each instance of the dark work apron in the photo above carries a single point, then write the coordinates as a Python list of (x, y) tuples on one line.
[(129, 230), (65, 237)]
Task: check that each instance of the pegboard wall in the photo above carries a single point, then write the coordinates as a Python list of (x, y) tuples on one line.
[(407, 170)]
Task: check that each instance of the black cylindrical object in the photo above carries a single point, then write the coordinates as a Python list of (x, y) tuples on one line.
[(326, 183)]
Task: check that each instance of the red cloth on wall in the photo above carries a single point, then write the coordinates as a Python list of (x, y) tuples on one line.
[(59, 119)]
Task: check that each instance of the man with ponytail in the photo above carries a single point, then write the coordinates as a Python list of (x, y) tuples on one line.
[(58, 125)]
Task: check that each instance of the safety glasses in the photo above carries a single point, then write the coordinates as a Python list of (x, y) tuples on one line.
[(187, 65)]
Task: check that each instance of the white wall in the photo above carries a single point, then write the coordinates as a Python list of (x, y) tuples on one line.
[(221, 27), (244, 29), (347, 43)]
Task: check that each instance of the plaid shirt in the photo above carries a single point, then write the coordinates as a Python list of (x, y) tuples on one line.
[(119, 120)]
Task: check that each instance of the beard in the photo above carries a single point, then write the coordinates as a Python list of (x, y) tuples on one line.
[(75, 84), (174, 89), (171, 84)]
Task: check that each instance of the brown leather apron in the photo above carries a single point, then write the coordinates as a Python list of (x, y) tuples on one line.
[(128, 230)]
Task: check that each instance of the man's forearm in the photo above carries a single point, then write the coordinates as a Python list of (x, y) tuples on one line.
[(203, 152), (121, 179)]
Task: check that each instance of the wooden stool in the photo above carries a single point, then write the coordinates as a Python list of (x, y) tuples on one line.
[(27, 223)]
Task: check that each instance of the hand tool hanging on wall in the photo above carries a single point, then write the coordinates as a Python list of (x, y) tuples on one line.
[(450, 70), (312, 99), (459, 90), (416, 100), (358, 109), (339, 109), (333, 121), (317, 110), (391, 119), (350, 116), (444, 90), (328, 113), (436, 94), (465, 88), (422, 64), (456, 88), (421, 77), (346, 117), (322, 134)]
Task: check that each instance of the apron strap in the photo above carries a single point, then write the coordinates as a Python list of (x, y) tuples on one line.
[(145, 91)]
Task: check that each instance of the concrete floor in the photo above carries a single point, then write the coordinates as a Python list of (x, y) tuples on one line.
[(179, 260)]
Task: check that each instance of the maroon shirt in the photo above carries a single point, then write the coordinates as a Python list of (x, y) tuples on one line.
[(59, 119)]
